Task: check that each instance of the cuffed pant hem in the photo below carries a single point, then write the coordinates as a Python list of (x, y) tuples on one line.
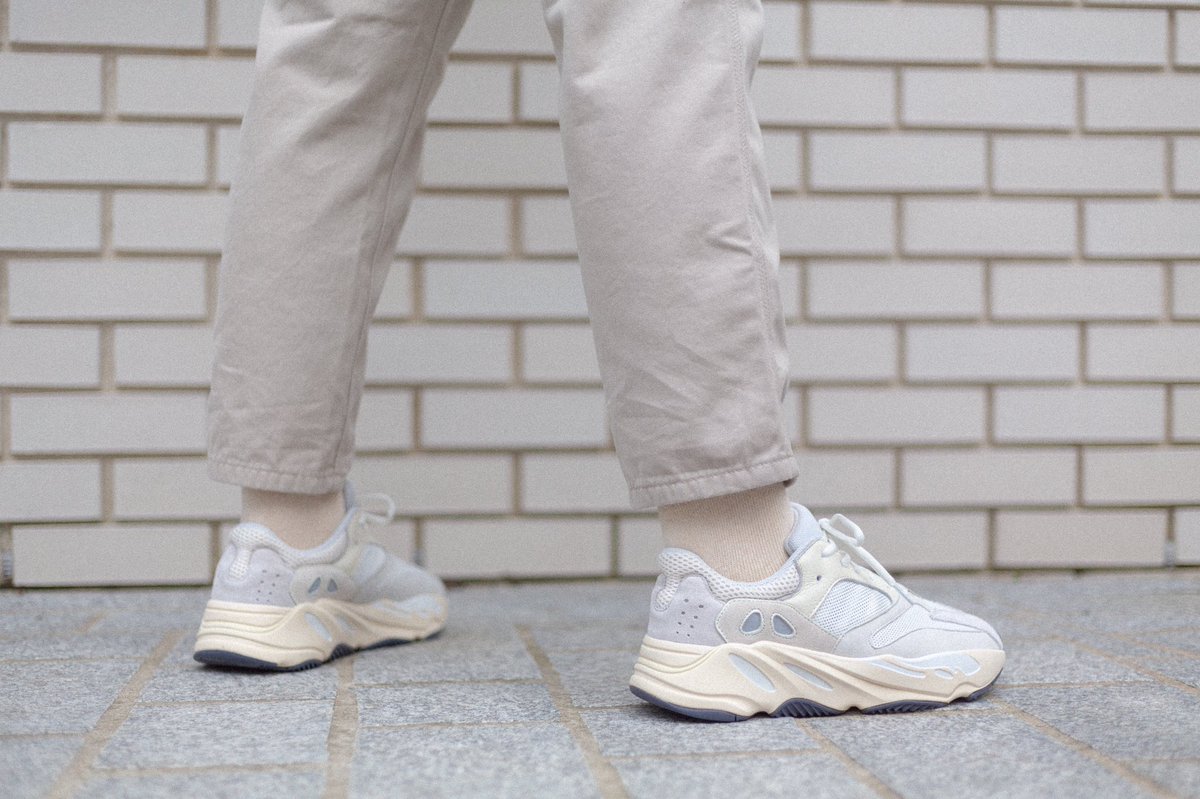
[(251, 476), (783, 470)]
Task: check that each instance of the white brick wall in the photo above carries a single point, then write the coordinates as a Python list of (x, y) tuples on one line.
[(990, 224)]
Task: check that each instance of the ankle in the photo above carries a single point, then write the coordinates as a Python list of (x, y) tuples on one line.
[(302, 521), (740, 535)]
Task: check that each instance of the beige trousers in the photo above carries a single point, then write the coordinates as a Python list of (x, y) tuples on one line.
[(672, 215)]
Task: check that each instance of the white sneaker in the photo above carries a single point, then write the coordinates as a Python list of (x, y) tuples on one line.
[(830, 631), (278, 608)]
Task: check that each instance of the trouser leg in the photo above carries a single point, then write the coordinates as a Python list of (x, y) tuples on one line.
[(676, 240), (327, 167)]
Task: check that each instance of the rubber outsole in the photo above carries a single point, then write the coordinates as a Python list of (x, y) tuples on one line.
[(232, 660), (804, 708)]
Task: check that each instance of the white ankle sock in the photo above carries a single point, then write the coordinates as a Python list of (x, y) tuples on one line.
[(303, 521), (740, 535)]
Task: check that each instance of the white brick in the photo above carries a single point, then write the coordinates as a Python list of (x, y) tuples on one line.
[(77, 152), (159, 554), (396, 301), (1186, 299), (1010, 98), (1187, 38), (539, 91), (237, 22), (1185, 412), (1116, 415), (1093, 165), (424, 485), (49, 356), (504, 290), (547, 227), (843, 479), (1055, 291), (503, 548), (781, 30), (835, 225), (228, 137), (504, 26), (439, 354), (483, 158), (103, 423), (513, 419), (169, 221), (833, 352), (926, 540), (888, 32), (105, 290), (988, 477), (1149, 101), (1187, 165), (474, 93), (863, 96), (171, 488), (896, 415), (1142, 228), (1080, 538), (385, 421), (172, 23), (570, 483), (1079, 36), (992, 226), (1187, 535), (456, 226), (993, 353), (638, 543), (559, 354), (1144, 352), (907, 290), (183, 87), (45, 83), (163, 355), (57, 490), (49, 220), (781, 152), (897, 161), (1141, 476)]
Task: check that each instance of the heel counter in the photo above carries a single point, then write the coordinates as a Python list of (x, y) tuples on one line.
[(683, 610), (265, 579)]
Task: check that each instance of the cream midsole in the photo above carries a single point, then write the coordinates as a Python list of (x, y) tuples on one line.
[(312, 630), (745, 679)]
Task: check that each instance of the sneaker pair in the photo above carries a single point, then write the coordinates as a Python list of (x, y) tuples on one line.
[(830, 631)]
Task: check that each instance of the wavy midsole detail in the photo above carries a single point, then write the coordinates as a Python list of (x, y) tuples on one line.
[(312, 630), (745, 679)]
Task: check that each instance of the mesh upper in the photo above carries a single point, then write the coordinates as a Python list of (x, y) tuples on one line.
[(848, 605)]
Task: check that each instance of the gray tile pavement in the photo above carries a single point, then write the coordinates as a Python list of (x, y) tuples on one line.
[(524, 695)]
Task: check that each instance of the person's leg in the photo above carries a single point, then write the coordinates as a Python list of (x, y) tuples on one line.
[(760, 606), (326, 171), (677, 246)]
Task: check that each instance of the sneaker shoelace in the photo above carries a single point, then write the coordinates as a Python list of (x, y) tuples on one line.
[(849, 542)]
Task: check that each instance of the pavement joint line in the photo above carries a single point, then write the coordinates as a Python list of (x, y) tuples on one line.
[(81, 766), (240, 702), (343, 733), (1084, 684), (444, 724), (56, 661), (1165, 648), (1131, 663), (1091, 753), (604, 773), (857, 770)]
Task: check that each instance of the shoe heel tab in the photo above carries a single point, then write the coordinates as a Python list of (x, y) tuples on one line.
[(252, 535)]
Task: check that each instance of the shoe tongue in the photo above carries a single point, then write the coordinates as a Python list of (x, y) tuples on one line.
[(804, 531)]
